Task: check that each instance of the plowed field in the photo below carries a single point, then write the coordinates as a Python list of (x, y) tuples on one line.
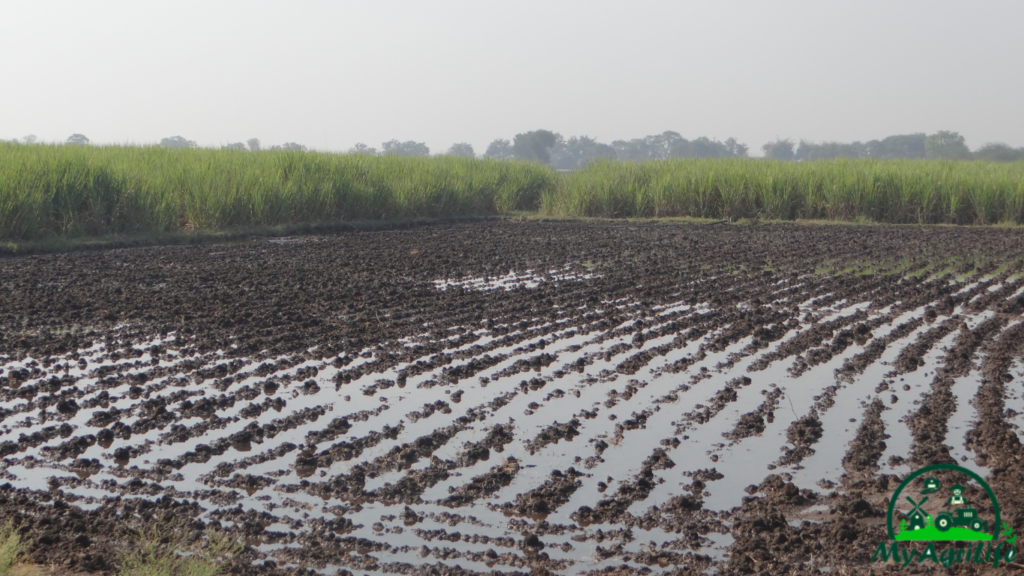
[(511, 397)]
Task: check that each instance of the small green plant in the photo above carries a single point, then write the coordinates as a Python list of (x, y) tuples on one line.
[(11, 546), (169, 551)]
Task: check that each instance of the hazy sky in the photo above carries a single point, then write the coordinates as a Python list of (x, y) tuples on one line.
[(330, 74)]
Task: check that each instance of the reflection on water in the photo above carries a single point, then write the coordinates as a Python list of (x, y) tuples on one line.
[(309, 439)]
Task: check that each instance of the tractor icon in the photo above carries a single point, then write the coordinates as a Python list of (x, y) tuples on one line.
[(966, 517)]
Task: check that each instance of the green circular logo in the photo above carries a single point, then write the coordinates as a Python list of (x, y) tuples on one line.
[(961, 524)]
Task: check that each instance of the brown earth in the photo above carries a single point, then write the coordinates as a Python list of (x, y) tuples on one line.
[(520, 397)]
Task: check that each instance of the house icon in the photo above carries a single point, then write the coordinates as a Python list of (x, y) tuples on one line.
[(917, 520), (917, 516)]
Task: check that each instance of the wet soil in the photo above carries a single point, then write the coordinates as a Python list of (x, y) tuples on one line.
[(540, 397)]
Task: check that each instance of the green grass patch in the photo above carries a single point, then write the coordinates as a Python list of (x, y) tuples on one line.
[(74, 191), (825, 266), (52, 192), (860, 191), (899, 268), (954, 534), (11, 546), (932, 265), (853, 267), (942, 273), (970, 273), (166, 550), (1003, 267)]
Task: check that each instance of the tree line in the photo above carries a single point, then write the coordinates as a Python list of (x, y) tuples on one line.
[(547, 147), (943, 145)]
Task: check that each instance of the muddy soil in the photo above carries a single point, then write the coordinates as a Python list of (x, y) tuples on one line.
[(542, 397)]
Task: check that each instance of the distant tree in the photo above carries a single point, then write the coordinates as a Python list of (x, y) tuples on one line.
[(999, 152), (671, 144), (946, 145), (705, 147), (290, 147), (534, 146), (408, 148), (77, 140), (361, 148), (500, 149), (779, 150), (177, 142), (635, 150), (654, 147), (462, 150), (598, 151), (254, 144), (898, 146), (30, 139), (808, 151), (235, 146), (576, 153), (736, 149), (561, 156)]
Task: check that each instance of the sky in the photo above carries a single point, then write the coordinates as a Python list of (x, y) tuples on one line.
[(329, 74)]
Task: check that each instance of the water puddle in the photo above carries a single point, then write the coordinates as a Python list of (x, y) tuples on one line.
[(598, 397), (513, 280)]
